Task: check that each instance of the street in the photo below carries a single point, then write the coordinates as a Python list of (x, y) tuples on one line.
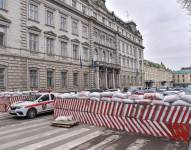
[(24, 134)]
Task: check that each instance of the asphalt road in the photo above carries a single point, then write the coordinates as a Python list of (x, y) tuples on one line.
[(37, 134)]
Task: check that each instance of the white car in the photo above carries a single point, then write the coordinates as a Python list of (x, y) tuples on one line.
[(34, 105)]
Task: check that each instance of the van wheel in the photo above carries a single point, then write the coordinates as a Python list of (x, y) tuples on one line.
[(31, 113)]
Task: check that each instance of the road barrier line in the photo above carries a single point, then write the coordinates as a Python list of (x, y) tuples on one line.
[(54, 139), (137, 145), (30, 138), (23, 132), (79, 141), (23, 123), (21, 128), (105, 142)]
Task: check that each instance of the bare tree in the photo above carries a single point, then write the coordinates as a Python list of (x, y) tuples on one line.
[(186, 4)]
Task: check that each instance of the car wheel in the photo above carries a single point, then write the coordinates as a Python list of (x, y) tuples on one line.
[(31, 113)]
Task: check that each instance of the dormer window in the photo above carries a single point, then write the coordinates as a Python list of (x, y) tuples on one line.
[(103, 20), (74, 3), (84, 11)]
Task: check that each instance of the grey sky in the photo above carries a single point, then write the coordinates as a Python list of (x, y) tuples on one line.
[(164, 26)]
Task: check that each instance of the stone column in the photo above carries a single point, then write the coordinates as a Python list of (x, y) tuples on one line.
[(106, 78), (113, 78), (97, 78)]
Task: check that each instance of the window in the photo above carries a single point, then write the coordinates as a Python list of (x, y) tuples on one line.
[(110, 58), (2, 78), (183, 76), (63, 23), (83, 9), (103, 20), (33, 78), (85, 80), (85, 53), (75, 27), (50, 79), (2, 4), (2, 36), (49, 18), (33, 42), (64, 79), (109, 24), (33, 11), (75, 51), (64, 48), (74, 3), (50, 46), (75, 79), (84, 31), (45, 98), (104, 56), (95, 14)]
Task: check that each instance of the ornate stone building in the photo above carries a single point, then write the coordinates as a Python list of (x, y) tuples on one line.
[(157, 75), (67, 45)]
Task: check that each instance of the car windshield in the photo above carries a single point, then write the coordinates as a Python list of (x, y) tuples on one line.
[(33, 98)]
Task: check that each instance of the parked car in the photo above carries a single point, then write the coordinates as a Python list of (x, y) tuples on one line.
[(34, 105)]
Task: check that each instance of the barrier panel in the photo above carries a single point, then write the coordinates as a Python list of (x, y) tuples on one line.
[(5, 102), (153, 120)]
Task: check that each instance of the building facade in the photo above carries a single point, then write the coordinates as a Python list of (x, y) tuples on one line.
[(157, 75), (182, 77), (67, 45)]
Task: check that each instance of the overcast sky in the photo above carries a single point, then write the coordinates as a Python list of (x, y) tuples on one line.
[(165, 28)]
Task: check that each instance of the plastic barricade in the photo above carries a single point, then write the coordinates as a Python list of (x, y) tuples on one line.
[(152, 120), (5, 102)]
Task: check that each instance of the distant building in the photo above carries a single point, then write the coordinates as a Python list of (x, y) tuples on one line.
[(157, 75), (182, 77)]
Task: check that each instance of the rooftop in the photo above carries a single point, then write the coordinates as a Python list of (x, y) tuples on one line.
[(183, 72)]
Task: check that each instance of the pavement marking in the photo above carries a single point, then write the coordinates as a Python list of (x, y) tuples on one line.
[(30, 138), (54, 139), (79, 141), (22, 124), (22, 132), (106, 141), (21, 128), (137, 145)]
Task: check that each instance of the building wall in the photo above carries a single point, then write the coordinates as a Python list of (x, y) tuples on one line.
[(182, 79), (18, 59), (157, 76)]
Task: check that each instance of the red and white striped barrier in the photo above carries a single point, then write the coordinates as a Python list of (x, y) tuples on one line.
[(156, 120), (6, 102)]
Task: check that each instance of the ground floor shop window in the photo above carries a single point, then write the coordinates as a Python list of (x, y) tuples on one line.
[(75, 79), (33, 78), (64, 79), (2, 78), (85, 80), (50, 79)]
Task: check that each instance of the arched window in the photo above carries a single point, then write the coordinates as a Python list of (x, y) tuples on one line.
[(96, 55), (104, 56), (110, 58)]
